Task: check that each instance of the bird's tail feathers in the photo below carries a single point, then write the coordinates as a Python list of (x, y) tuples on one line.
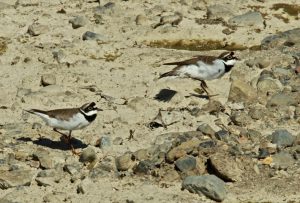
[(167, 74)]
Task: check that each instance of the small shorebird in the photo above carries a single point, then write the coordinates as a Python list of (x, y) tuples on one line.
[(68, 119), (203, 68)]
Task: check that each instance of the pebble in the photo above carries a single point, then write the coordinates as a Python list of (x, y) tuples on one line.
[(104, 142), (44, 158), (84, 186), (93, 36), (282, 138), (206, 129), (118, 141), (208, 185), (45, 181), (48, 79), (15, 178), (37, 29), (78, 21), (282, 160), (72, 169), (240, 118), (241, 91), (222, 135), (186, 163), (251, 18), (170, 19), (267, 85), (124, 162), (278, 40), (141, 154), (225, 167), (141, 20), (59, 55), (213, 107), (105, 9), (88, 154), (282, 100), (144, 167)]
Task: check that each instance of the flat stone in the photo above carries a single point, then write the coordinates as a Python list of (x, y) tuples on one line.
[(9, 179), (93, 36), (282, 160), (248, 19), (213, 107), (104, 142), (144, 167), (282, 138), (219, 11), (208, 185), (84, 186), (45, 181), (78, 21), (206, 129), (118, 141), (268, 85), (282, 99), (37, 29), (141, 154), (186, 163), (48, 79), (225, 167), (241, 91), (240, 118), (278, 40), (45, 160)]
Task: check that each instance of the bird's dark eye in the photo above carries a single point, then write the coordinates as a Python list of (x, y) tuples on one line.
[(90, 108), (229, 57)]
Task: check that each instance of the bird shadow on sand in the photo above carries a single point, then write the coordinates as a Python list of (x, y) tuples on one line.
[(165, 95), (61, 145)]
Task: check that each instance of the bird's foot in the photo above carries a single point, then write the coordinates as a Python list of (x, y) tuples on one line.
[(74, 152)]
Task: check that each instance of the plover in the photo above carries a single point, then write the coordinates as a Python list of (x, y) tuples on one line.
[(203, 68), (68, 119)]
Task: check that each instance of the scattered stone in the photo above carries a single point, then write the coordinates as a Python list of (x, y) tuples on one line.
[(282, 160), (279, 40), (37, 29), (104, 142), (267, 85), (240, 118), (222, 135), (118, 141), (251, 18), (15, 178), (48, 79), (124, 162), (43, 157), (219, 11), (257, 113), (282, 100), (72, 169), (78, 21), (207, 144), (186, 163), (141, 20), (141, 154), (88, 155), (170, 19), (183, 149), (59, 56), (206, 129), (144, 167), (282, 138), (84, 186), (241, 91), (225, 167), (213, 107), (93, 36), (263, 153), (105, 9), (45, 181), (208, 185)]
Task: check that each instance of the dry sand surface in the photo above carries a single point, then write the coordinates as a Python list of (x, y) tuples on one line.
[(46, 64)]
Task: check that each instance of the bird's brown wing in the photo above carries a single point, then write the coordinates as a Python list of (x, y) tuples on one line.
[(62, 114), (205, 59)]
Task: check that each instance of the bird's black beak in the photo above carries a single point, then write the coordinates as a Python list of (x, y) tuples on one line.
[(98, 109)]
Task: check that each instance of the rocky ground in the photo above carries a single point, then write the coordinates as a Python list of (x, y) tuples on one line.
[(156, 140)]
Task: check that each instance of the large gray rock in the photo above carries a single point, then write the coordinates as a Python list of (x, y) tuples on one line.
[(282, 138), (9, 179), (208, 185), (281, 39), (248, 19), (219, 11)]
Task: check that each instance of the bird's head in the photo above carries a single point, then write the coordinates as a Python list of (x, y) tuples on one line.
[(228, 58), (90, 109)]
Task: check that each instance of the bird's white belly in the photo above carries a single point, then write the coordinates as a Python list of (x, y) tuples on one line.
[(203, 71), (76, 122)]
